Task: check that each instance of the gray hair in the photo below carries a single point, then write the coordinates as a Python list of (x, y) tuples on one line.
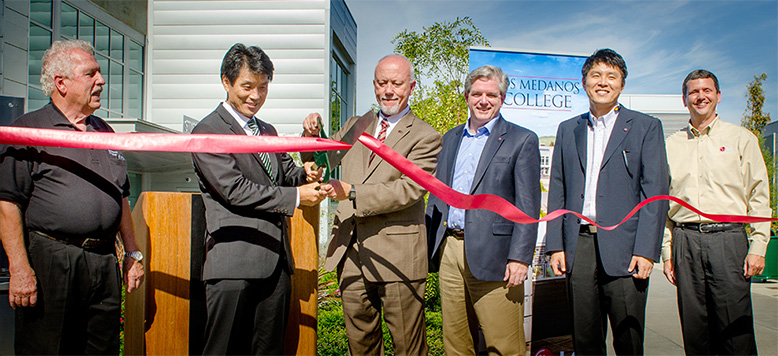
[(410, 64), (489, 72), (57, 61)]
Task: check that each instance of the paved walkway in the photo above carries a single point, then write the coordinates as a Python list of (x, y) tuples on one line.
[(663, 328)]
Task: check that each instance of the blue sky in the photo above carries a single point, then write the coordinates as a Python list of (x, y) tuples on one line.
[(661, 41)]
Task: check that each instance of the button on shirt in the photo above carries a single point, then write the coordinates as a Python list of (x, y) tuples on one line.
[(243, 121), (719, 170), (597, 136), (469, 154)]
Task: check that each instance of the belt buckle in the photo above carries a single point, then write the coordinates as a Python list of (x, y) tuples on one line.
[(704, 228), (90, 243)]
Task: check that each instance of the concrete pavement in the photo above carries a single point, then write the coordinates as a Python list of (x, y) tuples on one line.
[(663, 327)]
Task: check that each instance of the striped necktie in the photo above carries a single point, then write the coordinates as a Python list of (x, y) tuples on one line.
[(264, 157), (381, 137)]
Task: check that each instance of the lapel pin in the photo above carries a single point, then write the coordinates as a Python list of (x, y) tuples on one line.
[(625, 129)]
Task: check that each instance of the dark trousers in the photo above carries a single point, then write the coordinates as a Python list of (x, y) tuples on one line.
[(247, 316), (79, 297), (596, 297), (714, 298)]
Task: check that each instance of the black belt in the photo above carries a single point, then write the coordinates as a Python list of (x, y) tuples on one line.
[(455, 232), (84, 242), (587, 229), (710, 227)]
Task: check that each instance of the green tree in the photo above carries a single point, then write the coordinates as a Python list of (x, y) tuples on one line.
[(440, 56), (755, 120)]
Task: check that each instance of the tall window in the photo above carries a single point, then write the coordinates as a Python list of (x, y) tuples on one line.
[(339, 104), (120, 57), (340, 107)]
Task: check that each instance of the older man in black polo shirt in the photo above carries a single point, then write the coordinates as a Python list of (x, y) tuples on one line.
[(60, 211)]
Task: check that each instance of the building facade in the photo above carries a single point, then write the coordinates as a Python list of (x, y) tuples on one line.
[(161, 62)]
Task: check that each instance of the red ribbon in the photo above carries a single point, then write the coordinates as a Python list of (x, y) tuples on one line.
[(505, 208), (166, 142), (213, 143)]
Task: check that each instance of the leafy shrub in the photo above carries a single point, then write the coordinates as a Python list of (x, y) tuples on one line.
[(331, 329)]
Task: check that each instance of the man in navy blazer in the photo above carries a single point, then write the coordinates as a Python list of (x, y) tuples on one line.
[(484, 257), (605, 162), (248, 197)]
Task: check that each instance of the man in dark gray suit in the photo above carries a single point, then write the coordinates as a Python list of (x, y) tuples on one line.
[(484, 257), (605, 162), (248, 198)]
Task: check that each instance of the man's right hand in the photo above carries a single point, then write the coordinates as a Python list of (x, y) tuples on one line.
[(23, 289), (667, 268), (558, 263), (311, 125), (311, 194)]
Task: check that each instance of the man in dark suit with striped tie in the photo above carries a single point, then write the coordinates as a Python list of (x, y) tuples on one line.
[(247, 200)]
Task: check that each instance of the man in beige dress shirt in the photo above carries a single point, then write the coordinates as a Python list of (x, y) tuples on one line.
[(718, 168), (379, 241)]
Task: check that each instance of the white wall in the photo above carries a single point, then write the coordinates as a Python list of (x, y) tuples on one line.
[(188, 39)]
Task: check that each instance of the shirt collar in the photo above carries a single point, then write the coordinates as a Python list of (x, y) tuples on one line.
[(394, 118), (608, 119), (241, 119), (707, 130), (483, 130), (61, 120)]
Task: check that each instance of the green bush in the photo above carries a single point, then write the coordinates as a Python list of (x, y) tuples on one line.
[(331, 329)]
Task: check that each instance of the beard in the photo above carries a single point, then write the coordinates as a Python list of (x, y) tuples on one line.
[(390, 110)]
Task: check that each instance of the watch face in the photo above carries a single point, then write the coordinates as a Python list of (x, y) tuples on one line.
[(136, 255)]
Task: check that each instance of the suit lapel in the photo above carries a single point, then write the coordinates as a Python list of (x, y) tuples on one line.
[(370, 130), (620, 130), (493, 143), (450, 152), (238, 130), (580, 132)]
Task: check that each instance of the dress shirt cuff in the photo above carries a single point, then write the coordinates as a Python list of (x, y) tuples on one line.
[(667, 241), (297, 202), (760, 237), (757, 247)]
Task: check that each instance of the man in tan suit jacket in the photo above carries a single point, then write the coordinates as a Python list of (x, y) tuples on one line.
[(379, 242)]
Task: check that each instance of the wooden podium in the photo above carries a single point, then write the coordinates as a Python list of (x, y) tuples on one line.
[(166, 316)]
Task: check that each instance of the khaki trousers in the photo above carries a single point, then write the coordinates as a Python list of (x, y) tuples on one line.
[(499, 310), (403, 308)]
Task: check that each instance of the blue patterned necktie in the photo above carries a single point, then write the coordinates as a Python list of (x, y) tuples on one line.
[(263, 156)]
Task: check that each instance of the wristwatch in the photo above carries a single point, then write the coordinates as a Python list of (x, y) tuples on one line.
[(135, 255), (352, 194)]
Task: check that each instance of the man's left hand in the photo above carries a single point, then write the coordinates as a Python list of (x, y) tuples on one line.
[(515, 273), (644, 266), (336, 189), (133, 274), (312, 175), (753, 265)]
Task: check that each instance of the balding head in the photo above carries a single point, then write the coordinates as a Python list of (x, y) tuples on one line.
[(394, 83)]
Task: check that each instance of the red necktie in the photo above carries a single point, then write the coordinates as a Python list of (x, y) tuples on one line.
[(381, 137)]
